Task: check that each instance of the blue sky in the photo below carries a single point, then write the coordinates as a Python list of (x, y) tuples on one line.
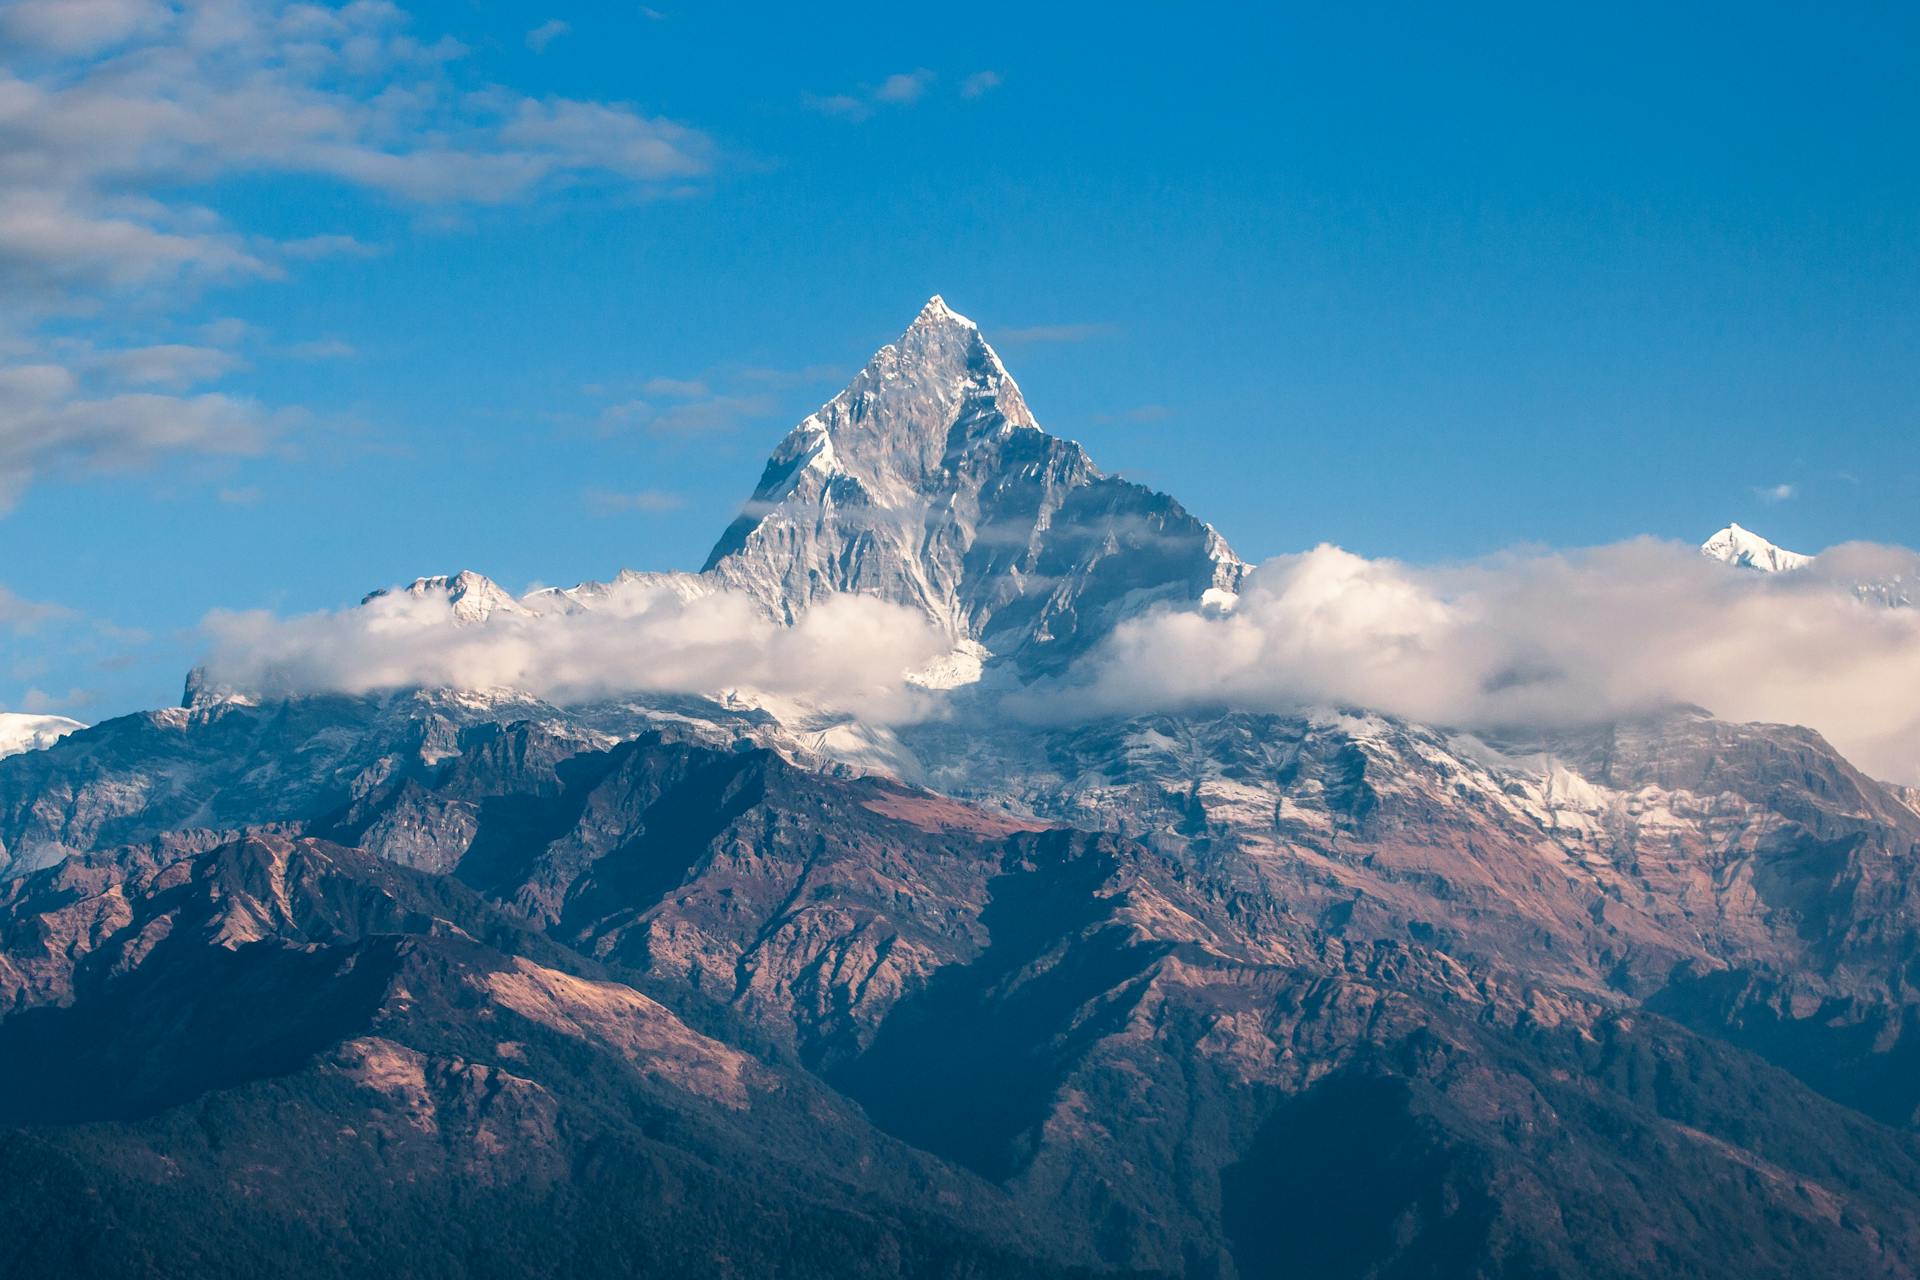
[(299, 302)]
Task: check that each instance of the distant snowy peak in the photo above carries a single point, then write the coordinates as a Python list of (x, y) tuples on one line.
[(627, 587), (1877, 575), (471, 597), (22, 732), (1746, 549)]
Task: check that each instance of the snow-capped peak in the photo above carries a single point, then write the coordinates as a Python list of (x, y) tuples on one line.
[(22, 732), (928, 482), (472, 597), (1748, 550), (937, 312)]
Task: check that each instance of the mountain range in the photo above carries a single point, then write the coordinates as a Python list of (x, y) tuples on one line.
[(447, 981)]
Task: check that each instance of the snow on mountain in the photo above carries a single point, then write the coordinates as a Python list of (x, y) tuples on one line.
[(1746, 549), (22, 732), (626, 585), (1876, 575), (471, 596), (928, 482)]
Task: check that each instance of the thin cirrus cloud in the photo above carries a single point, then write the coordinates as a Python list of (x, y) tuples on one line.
[(980, 83), (1775, 492), (902, 88), (546, 33), (687, 407), (51, 423), (19, 614), (605, 502), (680, 388), (709, 416), (169, 365)]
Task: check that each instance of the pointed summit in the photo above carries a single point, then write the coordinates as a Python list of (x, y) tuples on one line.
[(936, 391), (936, 311), (470, 597), (928, 482), (1746, 549)]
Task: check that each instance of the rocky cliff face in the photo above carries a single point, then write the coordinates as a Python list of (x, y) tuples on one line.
[(1010, 1038)]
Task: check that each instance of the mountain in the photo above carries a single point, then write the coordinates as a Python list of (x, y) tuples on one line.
[(1746, 549), (22, 732), (284, 1058), (923, 1029), (443, 982), (470, 597), (1882, 576), (928, 482)]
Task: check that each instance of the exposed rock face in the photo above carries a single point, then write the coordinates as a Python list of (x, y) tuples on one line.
[(1181, 1065), (342, 1043), (927, 482)]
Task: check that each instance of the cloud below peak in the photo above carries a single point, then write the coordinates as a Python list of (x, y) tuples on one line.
[(851, 654), (1535, 640)]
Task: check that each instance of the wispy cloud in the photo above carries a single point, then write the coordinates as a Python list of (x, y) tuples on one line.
[(980, 82), (51, 423), (327, 246), (900, 89), (709, 416), (1775, 492), (79, 27), (669, 406), (18, 614), (812, 375), (120, 120), (37, 629), (905, 86), (604, 502), (676, 388), (94, 149), (546, 33), (171, 365)]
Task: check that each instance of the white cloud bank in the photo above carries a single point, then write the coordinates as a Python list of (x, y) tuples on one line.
[(1525, 640), (1539, 640), (850, 654)]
